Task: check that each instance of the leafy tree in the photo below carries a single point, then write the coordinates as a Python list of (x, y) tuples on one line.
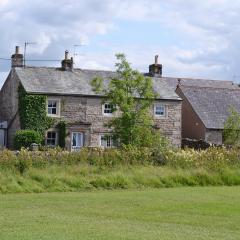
[(231, 132), (130, 93)]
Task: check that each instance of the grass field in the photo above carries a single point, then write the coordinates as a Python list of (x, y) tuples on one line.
[(177, 213)]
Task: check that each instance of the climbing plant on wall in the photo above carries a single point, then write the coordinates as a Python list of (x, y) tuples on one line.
[(32, 111), (62, 133)]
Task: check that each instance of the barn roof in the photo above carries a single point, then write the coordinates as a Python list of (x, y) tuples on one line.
[(212, 104)]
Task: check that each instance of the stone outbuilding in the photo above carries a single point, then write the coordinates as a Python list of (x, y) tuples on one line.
[(206, 108)]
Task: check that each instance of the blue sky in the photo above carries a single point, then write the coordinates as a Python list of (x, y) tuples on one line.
[(192, 38)]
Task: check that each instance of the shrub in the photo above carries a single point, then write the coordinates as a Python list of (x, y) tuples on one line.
[(24, 138)]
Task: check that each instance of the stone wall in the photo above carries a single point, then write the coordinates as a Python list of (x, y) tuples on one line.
[(9, 97), (170, 125), (9, 105), (214, 136), (85, 114)]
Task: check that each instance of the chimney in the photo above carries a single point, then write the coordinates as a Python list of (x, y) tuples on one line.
[(17, 58), (155, 70), (67, 64)]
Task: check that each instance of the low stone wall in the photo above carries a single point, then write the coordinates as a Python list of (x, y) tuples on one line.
[(196, 144)]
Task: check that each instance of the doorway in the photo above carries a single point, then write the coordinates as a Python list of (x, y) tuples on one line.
[(76, 141)]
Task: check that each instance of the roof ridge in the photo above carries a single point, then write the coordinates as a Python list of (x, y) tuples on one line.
[(111, 71), (203, 79), (95, 70), (211, 87)]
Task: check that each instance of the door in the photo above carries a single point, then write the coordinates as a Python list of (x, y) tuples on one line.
[(2, 138), (76, 141)]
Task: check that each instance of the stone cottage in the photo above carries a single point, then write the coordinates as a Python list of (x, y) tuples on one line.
[(70, 98)]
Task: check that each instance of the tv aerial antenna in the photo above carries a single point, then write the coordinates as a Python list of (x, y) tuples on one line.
[(25, 51), (75, 54)]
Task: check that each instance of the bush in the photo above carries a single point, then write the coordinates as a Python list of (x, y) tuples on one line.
[(24, 138)]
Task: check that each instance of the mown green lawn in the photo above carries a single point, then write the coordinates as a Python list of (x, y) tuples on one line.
[(178, 213)]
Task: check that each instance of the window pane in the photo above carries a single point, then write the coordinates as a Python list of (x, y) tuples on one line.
[(52, 107), (54, 111), (49, 103), (51, 138), (103, 141), (160, 110), (79, 139), (74, 142), (107, 141), (108, 108)]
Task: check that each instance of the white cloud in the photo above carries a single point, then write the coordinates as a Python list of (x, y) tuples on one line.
[(207, 30)]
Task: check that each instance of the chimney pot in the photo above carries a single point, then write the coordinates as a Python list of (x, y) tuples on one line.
[(66, 55), (67, 64), (155, 70), (17, 50), (17, 58)]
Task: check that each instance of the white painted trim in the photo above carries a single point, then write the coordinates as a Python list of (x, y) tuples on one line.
[(106, 114), (160, 116), (57, 136), (58, 100), (100, 140), (72, 149)]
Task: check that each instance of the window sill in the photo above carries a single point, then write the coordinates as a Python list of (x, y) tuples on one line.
[(160, 117), (108, 115), (53, 115)]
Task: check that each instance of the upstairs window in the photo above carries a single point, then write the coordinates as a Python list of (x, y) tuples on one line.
[(160, 110), (107, 109), (53, 107), (51, 139)]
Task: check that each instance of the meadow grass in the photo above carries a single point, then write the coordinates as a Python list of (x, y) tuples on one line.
[(55, 170), (176, 213), (84, 177)]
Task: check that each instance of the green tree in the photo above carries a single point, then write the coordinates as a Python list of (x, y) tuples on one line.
[(231, 132), (131, 93)]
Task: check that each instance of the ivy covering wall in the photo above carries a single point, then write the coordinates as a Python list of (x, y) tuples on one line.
[(32, 111), (62, 133)]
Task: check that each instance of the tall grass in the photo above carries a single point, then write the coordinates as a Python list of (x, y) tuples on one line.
[(91, 169), (86, 177)]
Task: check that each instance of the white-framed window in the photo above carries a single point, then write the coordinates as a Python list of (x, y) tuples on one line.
[(53, 107), (51, 138), (107, 141), (107, 109), (160, 110)]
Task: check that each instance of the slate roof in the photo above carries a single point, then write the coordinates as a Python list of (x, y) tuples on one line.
[(196, 82), (212, 105), (210, 99), (47, 80)]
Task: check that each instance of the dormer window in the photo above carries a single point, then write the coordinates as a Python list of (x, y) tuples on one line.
[(53, 107)]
